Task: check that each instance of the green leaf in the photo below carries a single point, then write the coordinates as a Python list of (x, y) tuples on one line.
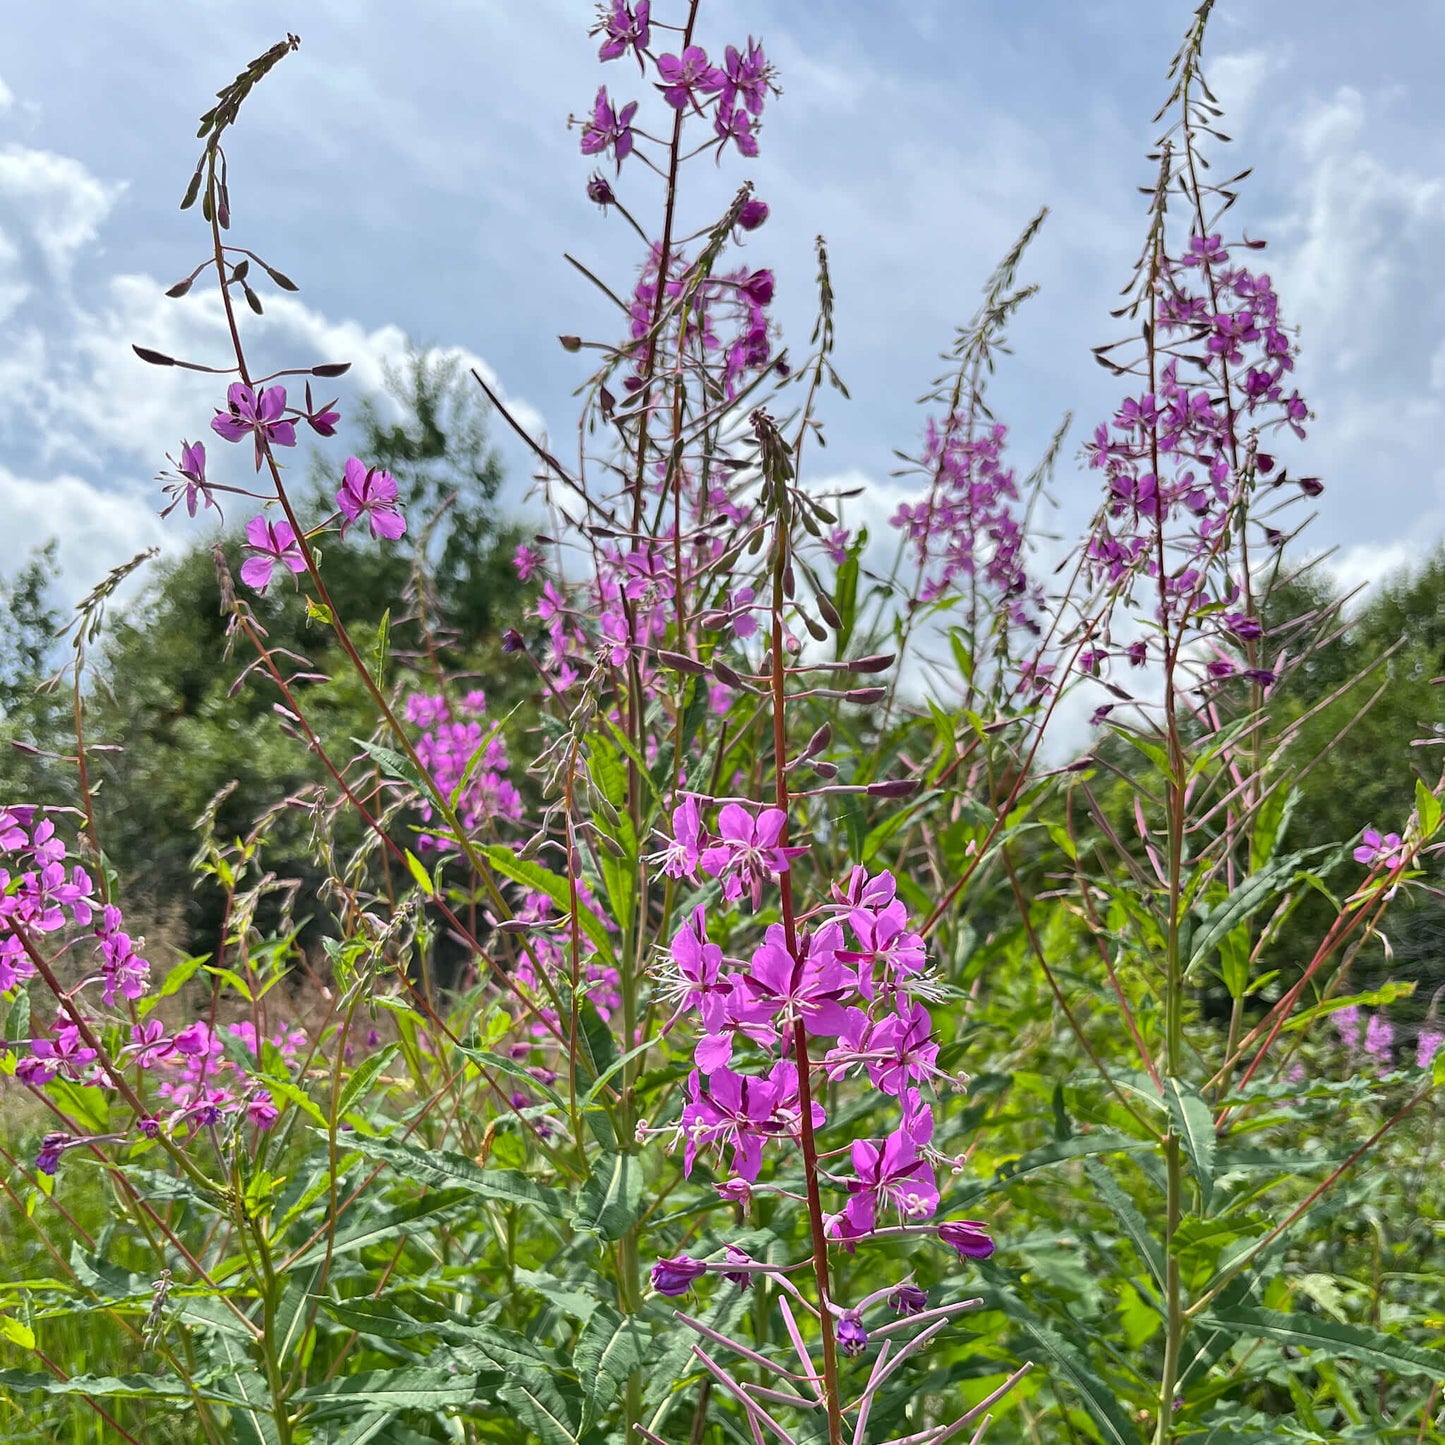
[(609, 1349), (363, 1077), (1127, 1213), (420, 876), (1194, 1123), (542, 1404), (607, 1202), (390, 1390), (1106, 1412), (439, 1167), (1246, 900), (1080, 1146), (499, 1063), (176, 978), (1363, 1346), (393, 764), (294, 1094), (1427, 807), (137, 1387), (393, 1223)]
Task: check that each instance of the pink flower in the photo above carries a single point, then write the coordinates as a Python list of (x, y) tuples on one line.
[(748, 850), (372, 493), (258, 414), (272, 543)]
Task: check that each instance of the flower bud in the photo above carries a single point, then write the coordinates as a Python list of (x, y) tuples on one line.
[(750, 217), (675, 1277), (968, 1236)]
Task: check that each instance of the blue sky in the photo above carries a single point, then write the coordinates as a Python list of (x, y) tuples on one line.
[(412, 169)]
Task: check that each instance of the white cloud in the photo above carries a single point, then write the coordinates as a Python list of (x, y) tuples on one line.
[(1364, 567), (7, 96), (54, 202), (96, 530), (1237, 79)]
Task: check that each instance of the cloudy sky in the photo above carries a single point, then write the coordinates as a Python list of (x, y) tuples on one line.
[(412, 168)]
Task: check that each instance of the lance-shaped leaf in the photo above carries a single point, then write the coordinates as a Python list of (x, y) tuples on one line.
[(610, 1347), (1194, 1123), (1371, 1348), (607, 1202), (439, 1167), (546, 1404)]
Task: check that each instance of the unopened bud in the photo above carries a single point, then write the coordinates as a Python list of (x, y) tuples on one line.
[(865, 696), (571, 343), (680, 662), (893, 788), (876, 662)]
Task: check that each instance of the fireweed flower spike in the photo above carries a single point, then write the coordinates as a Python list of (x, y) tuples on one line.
[(365, 491), (271, 543), (255, 414)]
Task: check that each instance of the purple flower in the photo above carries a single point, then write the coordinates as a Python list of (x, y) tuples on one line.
[(732, 123), (1380, 1041), (608, 129), (748, 850), (258, 414), (684, 74), (513, 641), (735, 1110), (753, 214), (892, 1174), (598, 190), (1427, 1045), (272, 543), (698, 964), (1377, 852), (852, 1337), (908, 1299), (745, 76), (680, 858), (192, 470), (51, 1148), (968, 1236), (627, 28), (809, 987), (321, 419), (743, 1278), (365, 490), (676, 1276)]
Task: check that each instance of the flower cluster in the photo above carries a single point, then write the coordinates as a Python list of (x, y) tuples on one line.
[(1177, 458), (464, 760), (967, 525), (726, 318), (730, 95), (46, 909), (854, 975)]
